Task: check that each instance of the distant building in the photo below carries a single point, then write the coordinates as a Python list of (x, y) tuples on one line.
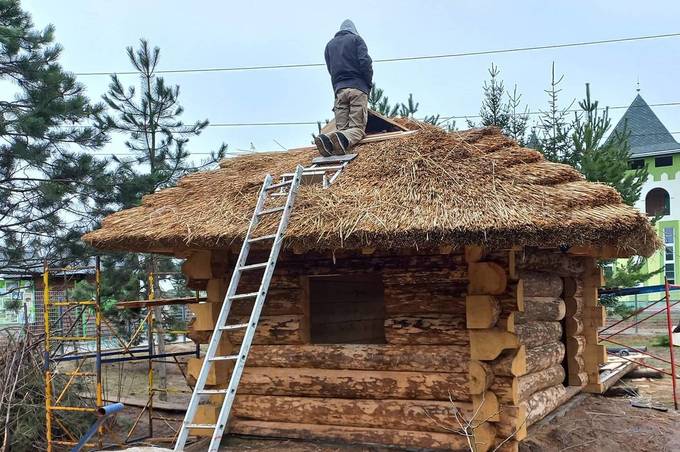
[(15, 292), (654, 146)]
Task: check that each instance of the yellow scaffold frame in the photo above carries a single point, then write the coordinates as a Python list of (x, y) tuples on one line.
[(54, 342)]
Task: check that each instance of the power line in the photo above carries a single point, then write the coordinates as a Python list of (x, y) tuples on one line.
[(442, 118), (397, 59)]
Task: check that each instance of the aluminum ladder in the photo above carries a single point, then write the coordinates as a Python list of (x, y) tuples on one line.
[(290, 187)]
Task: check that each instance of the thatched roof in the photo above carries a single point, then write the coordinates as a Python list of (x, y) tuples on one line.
[(425, 189)]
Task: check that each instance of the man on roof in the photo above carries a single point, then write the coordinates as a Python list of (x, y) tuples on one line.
[(351, 71)]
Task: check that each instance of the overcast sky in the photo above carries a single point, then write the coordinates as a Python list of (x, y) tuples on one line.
[(206, 34)]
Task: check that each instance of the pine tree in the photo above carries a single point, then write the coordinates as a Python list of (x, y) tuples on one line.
[(158, 138), (494, 111), (47, 126), (497, 112), (517, 121), (603, 160), (554, 127)]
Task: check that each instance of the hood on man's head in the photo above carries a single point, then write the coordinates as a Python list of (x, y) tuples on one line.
[(348, 25)]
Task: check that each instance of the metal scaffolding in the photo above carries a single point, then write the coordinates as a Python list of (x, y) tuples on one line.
[(666, 288), (74, 355), (67, 333)]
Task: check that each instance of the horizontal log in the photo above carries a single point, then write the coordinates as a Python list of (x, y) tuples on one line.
[(550, 261), (309, 264), (420, 415), (481, 311), (473, 253), (423, 277), (484, 435), (543, 402), (486, 345), (541, 309), (354, 383), (511, 363), (513, 422), (533, 334), (514, 390), (574, 306), (481, 377), (486, 278), (485, 408), (278, 302), (537, 381), (540, 284), (573, 287), (544, 356), (433, 358), (426, 329), (282, 329), (423, 298), (573, 326)]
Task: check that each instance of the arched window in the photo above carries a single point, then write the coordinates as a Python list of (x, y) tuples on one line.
[(658, 202)]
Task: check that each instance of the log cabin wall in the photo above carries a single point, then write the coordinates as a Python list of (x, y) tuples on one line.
[(484, 329), (394, 393), (548, 339)]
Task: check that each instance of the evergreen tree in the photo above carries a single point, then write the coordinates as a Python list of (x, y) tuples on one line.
[(47, 181), (157, 138), (497, 112), (517, 121), (150, 117), (603, 160), (554, 127), (494, 111), (377, 101)]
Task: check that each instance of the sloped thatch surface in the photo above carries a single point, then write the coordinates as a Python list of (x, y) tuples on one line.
[(432, 187)]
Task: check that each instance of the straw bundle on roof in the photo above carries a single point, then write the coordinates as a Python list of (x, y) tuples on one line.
[(425, 189)]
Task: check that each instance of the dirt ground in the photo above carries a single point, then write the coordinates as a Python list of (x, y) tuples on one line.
[(597, 423)]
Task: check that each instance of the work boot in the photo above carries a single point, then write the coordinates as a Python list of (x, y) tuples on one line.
[(340, 143), (324, 145)]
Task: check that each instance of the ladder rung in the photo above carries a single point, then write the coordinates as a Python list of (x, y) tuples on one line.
[(264, 237), (272, 210), (254, 266), (213, 391), (244, 295), (202, 426), (324, 168), (279, 185), (237, 326), (224, 358)]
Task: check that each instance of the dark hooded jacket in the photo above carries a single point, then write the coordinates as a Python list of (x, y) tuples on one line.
[(347, 60)]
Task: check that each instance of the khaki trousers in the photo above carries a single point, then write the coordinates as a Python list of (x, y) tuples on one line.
[(351, 114)]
